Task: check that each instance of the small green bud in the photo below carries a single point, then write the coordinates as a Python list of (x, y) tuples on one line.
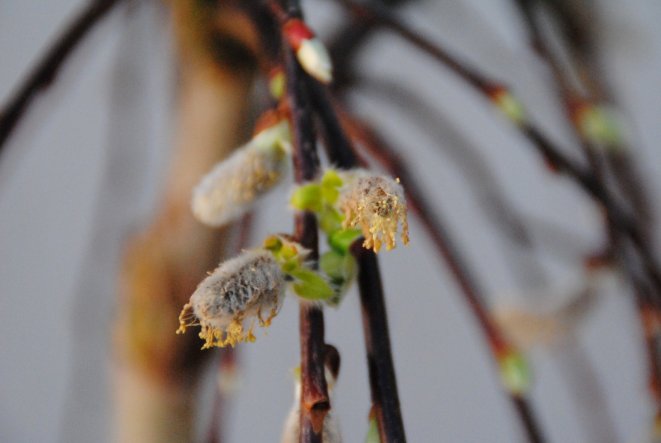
[(509, 105), (515, 372), (277, 84), (600, 126)]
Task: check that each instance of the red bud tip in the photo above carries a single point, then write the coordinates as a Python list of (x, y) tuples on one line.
[(296, 31)]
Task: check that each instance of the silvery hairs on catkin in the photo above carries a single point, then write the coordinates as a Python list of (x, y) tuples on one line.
[(249, 288)]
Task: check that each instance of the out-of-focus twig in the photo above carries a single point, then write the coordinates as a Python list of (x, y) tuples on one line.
[(46, 69), (496, 92)]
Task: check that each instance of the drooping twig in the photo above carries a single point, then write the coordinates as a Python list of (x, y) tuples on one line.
[(383, 382), (46, 70), (498, 344), (494, 91), (477, 172), (315, 402), (573, 99)]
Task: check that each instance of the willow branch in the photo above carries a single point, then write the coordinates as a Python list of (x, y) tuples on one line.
[(477, 173), (315, 402), (497, 342), (572, 98), (45, 71), (381, 370)]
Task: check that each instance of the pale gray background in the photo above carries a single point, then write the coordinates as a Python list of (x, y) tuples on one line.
[(61, 224)]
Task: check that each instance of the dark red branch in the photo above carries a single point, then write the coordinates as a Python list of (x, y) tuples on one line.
[(315, 402), (45, 71)]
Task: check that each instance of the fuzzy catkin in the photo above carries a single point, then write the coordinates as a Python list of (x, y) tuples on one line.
[(230, 189), (247, 288), (377, 205)]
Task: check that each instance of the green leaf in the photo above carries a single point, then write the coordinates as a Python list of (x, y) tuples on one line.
[(342, 239), (332, 263), (310, 285), (307, 198), (330, 220)]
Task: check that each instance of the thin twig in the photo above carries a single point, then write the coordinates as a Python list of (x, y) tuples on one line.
[(315, 402), (498, 343), (46, 70), (477, 173), (572, 98), (383, 382)]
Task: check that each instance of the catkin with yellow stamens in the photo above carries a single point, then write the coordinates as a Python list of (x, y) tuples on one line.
[(375, 204), (247, 289)]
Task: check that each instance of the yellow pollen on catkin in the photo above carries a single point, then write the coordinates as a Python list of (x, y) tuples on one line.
[(230, 301), (377, 206)]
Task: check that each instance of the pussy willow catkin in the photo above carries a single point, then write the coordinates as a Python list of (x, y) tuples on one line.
[(242, 291), (376, 204)]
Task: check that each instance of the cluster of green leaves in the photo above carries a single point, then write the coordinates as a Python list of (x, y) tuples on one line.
[(322, 198)]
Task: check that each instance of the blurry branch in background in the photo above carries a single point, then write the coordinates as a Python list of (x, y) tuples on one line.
[(503, 99), (583, 94), (158, 371), (513, 368), (46, 69), (478, 175)]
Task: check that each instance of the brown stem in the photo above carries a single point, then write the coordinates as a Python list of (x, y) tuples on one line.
[(497, 342), (46, 70), (383, 383), (315, 402)]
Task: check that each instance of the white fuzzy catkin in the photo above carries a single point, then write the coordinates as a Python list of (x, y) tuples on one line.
[(292, 428), (230, 189), (244, 289)]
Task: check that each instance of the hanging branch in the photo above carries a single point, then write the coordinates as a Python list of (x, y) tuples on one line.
[(46, 70), (383, 382), (315, 402), (505, 101), (574, 100), (479, 177), (499, 345)]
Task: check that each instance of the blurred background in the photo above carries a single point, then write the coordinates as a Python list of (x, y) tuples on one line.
[(86, 168)]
